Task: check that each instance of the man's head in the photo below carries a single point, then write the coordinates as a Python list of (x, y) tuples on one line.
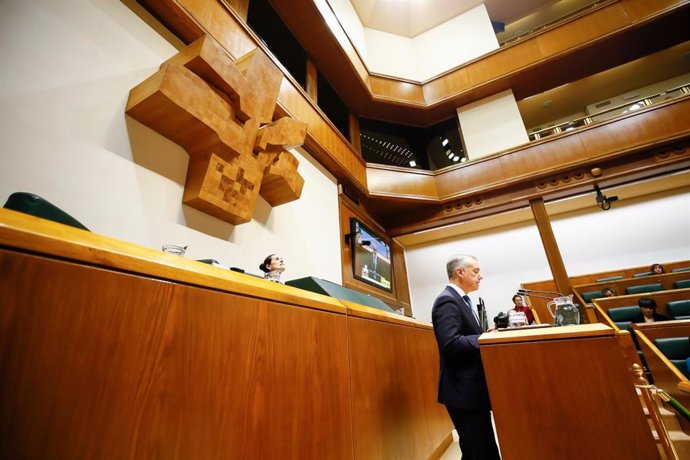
[(648, 306), (463, 271), (518, 301)]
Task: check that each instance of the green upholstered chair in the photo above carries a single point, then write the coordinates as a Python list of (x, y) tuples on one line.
[(631, 314), (681, 269), (589, 295), (677, 350), (678, 309), (642, 288), (28, 203), (610, 278), (680, 284), (638, 275)]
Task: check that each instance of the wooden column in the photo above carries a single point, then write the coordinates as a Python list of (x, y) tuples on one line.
[(553, 254), (312, 81), (355, 140)]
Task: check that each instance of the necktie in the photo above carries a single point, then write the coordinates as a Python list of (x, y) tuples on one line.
[(468, 301)]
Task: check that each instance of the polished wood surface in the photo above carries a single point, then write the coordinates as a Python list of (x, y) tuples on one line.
[(581, 401), (111, 350), (141, 368), (221, 113), (548, 240), (388, 401)]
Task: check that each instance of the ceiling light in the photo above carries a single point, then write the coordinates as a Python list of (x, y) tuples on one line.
[(445, 142), (463, 159), (413, 163), (456, 158)]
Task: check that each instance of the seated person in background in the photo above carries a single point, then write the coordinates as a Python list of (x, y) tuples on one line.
[(273, 266), (657, 269), (520, 307), (608, 292), (648, 307)]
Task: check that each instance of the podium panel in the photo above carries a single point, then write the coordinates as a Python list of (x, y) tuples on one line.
[(564, 392)]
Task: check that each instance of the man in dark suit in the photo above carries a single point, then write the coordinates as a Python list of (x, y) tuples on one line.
[(462, 385)]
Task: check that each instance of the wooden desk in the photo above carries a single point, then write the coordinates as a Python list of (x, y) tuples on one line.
[(586, 405), (114, 351)]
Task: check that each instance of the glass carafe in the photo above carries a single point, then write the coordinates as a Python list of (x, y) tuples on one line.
[(563, 311)]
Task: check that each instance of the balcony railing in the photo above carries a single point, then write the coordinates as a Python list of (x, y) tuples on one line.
[(628, 106)]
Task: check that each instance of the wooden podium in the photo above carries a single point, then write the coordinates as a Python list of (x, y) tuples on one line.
[(564, 392)]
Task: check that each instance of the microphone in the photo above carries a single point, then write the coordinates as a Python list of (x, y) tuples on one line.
[(481, 309), (527, 292)]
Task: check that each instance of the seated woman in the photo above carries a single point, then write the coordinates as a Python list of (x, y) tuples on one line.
[(648, 307), (608, 292), (273, 266), (657, 269), (520, 307)]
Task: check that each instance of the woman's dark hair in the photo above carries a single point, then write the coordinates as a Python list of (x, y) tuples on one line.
[(651, 269), (267, 261), (516, 295), (646, 302)]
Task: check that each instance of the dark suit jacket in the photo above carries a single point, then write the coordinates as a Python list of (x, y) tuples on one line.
[(461, 381)]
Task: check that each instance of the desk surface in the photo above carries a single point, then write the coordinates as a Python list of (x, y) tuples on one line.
[(547, 333)]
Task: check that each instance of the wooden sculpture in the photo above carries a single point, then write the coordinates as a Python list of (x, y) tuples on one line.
[(221, 113)]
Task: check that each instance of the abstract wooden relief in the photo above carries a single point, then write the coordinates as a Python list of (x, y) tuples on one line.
[(221, 113)]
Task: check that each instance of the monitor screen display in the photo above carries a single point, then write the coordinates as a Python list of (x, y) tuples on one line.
[(371, 257)]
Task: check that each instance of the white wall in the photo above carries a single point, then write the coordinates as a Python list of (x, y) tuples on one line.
[(351, 24), (67, 70), (491, 125), (634, 232), (435, 51)]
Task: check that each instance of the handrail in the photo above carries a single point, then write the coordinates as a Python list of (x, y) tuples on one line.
[(648, 392)]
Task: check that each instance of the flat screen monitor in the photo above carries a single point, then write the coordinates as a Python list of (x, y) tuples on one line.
[(371, 257)]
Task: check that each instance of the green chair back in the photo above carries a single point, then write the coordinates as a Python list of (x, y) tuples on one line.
[(588, 296), (28, 203), (678, 309), (610, 278), (632, 314), (680, 284), (642, 288)]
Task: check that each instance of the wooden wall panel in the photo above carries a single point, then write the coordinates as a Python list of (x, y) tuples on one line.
[(472, 176), (502, 62), (637, 10), (400, 283), (348, 209), (388, 404), (539, 157), (99, 364), (654, 125), (383, 180), (82, 351), (438, 421), (583, 29), (399, 91)]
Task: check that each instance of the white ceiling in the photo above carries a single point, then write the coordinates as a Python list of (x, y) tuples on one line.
[(409, 18)]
